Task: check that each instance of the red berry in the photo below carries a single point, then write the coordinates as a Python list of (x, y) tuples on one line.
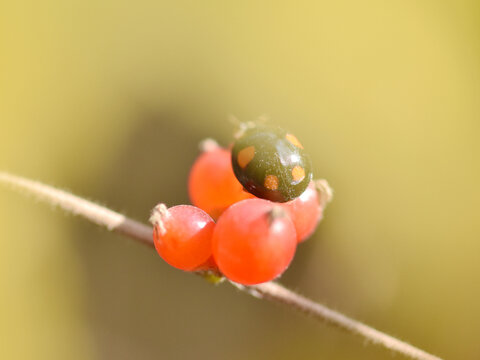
[(254, 241), (212, 185), (305, 212), (183, 236)]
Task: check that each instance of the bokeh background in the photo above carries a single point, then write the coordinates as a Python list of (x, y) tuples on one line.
[(109, 99)]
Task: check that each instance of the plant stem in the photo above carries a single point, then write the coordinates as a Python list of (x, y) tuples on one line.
[(269, 291)]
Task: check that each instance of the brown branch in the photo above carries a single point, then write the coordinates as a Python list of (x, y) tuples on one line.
[(269, 291)]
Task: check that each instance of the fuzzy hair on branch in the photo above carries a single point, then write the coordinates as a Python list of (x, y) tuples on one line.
[(271, 291)]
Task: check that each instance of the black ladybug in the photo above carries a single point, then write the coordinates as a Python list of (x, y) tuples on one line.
[(271, 163)]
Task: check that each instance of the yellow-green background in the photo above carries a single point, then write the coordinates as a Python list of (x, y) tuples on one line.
[(109, 98)]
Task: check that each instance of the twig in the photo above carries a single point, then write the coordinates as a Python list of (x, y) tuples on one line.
[(269, 291)]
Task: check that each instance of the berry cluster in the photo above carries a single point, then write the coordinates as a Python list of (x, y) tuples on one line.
[(229, 230)]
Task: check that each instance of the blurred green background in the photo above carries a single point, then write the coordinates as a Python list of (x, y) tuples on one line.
[(109, 99)]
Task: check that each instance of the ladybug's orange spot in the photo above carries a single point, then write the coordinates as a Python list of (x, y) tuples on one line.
[(298, 173), (293, 140), (271, 182), (245, 156)]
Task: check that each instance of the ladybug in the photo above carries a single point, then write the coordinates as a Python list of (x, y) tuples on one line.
[(271, 163)]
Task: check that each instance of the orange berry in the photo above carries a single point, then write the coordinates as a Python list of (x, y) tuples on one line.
[(183, 236), (212, 185)]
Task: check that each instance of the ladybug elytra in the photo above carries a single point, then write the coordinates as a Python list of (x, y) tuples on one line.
[(271, 163)]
